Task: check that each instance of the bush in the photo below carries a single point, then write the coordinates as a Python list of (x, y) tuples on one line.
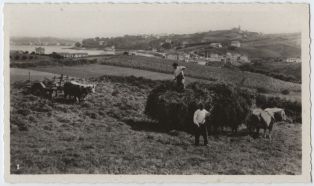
[(285, 92), (262, 90), (24, 57), (174, 110), (17, 57)]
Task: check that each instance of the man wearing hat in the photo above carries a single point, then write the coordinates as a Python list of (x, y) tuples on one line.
[(179, 76)]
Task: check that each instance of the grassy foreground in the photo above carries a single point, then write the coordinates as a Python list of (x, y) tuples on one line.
[(109, 134)]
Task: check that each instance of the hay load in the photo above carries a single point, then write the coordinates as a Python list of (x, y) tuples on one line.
[(229, 105)]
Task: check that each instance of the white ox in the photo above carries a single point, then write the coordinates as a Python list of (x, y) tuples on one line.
[(277, 113), (265, 119)]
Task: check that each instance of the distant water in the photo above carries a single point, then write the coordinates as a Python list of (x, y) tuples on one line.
[(50, 49)]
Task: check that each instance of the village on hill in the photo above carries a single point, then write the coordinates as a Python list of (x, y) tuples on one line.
[(225, 47)]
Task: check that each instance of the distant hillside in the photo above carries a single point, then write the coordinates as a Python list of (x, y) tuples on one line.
[(253, 44), (42, 41)]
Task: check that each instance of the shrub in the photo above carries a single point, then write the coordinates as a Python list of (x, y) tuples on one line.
[(17, 57), (174, 110), (24, 57), (285, 92), (262, 90)]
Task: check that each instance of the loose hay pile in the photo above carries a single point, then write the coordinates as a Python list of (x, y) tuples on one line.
[(229, 105)]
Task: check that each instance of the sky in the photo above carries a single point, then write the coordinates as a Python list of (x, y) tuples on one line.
[(110, 20)]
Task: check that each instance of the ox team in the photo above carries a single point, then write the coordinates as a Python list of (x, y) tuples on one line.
[(256, 120), (77, 90)]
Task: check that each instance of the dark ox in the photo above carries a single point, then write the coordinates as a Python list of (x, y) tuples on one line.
[(77, 91)]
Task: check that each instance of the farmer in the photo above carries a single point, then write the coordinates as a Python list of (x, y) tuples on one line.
[(179, 76), (199, 120)]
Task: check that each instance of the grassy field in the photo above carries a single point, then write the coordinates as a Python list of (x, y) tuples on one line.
[(246, 79), (17, 74), (281, 70), (109, 134)]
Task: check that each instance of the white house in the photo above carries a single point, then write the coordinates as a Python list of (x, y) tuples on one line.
[(110, 50), (172, 56), (235, 44), (244, 59), (293, 60), (168, 41), (201, 62), (215, 45), (236, 59), (215, 58), (102, 43), (73, 55)]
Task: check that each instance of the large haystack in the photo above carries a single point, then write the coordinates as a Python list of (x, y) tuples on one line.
[(229, 105)]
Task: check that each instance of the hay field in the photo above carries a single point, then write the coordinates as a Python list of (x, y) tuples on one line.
[(235, 76), (109, 134)]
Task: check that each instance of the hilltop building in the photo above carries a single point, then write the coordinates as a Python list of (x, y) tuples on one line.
[(40, 50)]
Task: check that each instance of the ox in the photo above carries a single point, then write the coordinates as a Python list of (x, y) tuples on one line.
[(258, 119), (265, 119), (77, 90), (277, 113)]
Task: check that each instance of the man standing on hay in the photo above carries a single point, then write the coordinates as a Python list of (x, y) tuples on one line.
[(199, 120), (179, 76)]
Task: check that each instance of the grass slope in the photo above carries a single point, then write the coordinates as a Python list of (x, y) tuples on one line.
[(109, 134), (245, 79)]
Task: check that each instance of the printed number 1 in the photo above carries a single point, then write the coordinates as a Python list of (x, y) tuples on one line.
[(18, 166)]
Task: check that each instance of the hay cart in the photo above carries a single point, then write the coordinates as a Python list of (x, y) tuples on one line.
[(49, 87)]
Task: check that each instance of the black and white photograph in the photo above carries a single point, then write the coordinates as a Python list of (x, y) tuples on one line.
[(157, 90)]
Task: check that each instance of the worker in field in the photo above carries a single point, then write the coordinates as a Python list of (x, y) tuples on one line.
[(179, 76), (199, 120)]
